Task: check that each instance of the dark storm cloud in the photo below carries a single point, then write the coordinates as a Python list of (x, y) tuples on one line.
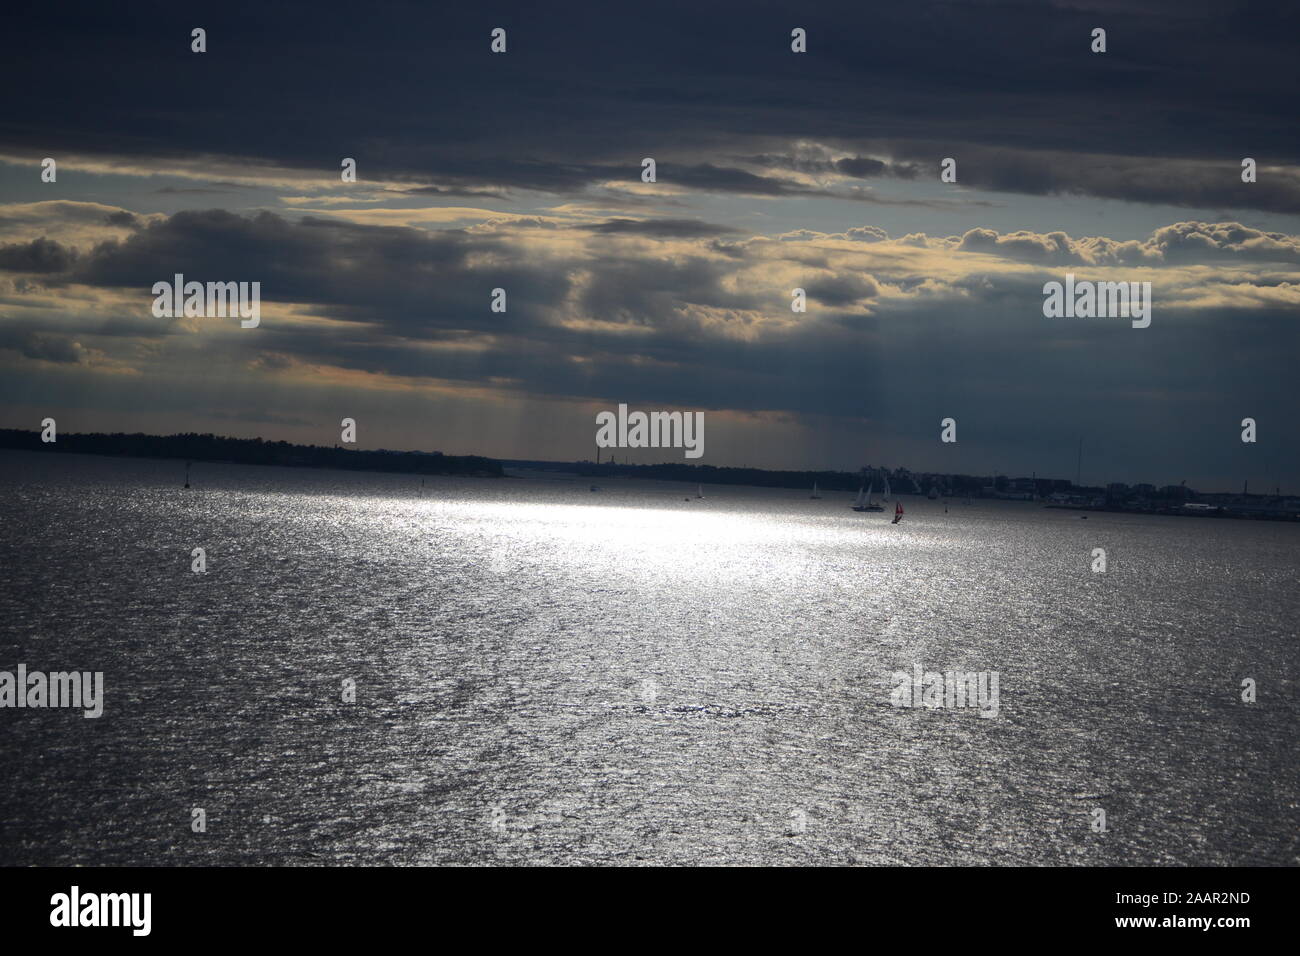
[(1207, 184), (411, 282), (819, 161), (663, 228), (41, 346), (842, 290), (471, 176), (587, 90), (562, 178), (710, 178), (451, 191), (861, 167), (402, 280), (649, 291), (39, 255)]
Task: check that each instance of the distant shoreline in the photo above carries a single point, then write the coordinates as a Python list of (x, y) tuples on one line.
[(252, 451), (255, 451), (1176, 501), (1185, 513)]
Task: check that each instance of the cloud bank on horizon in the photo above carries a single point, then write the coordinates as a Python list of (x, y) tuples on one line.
[(775, 171)]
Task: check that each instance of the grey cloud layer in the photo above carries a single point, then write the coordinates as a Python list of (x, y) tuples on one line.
[(899, 333), (711, 90), (669, 306)]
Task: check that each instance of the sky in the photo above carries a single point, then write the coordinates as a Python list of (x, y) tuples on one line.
[(775, 170)]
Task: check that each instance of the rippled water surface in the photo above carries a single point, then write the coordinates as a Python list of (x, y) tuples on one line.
[(550, 675)]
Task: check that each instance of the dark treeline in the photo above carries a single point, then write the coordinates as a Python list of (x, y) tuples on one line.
[(253, 451)]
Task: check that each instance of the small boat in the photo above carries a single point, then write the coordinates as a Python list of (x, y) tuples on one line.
[(885, 496), (699, 491), (934, 493), (898, 513), (187, 475), (594, 488), (863, 501), (814, 496)]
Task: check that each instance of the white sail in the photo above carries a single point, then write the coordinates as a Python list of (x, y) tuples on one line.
[(886, 497), (870, 490), (860, 500)]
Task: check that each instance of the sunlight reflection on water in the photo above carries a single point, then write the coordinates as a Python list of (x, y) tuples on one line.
[(501, 635)]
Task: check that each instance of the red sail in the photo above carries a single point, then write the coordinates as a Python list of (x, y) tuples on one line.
[(898, 508)]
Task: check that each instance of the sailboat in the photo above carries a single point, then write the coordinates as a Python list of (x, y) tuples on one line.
[(863, 501), (814, 495), (886, 495), (898, 513), (187, 475), (699, 491)]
